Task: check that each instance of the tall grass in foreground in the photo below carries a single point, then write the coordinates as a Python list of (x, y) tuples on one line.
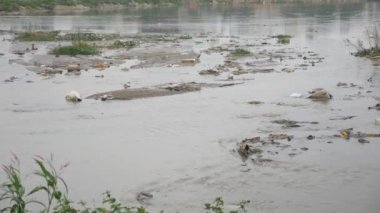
[(13, 190), (14, 197)]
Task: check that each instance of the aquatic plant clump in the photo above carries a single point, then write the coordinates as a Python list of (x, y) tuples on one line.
[(283, 39), (371, 52), (38, 36), (240, 52), (56, 36), (87, 37), (372, 49), (218, 206), (76, 49), (185, 37), (81, 37), (123, 44)]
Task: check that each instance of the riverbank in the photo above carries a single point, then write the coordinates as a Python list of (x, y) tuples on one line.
[(19, 8), (10, 7)]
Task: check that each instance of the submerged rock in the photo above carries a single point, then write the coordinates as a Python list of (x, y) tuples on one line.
[(261, 161), (361, 140), (280, 137), (73, 68), (287, 70), (342, 117), (342, 84), (252, 140), (11, 79), (255, 102), (287, 123), (143, 196), (377, 107), (240, 72), (209, 72), (246, 147), (49, 71), (292, 124), (244, 150)]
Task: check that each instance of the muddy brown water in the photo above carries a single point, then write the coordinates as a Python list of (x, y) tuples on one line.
[(180, 148)]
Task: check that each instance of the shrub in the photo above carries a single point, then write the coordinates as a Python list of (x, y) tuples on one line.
[(9, 5), (282, 39)]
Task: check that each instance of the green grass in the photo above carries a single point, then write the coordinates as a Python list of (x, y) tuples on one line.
[(282, 39), (76, 49), (38, 36), (240, 52)]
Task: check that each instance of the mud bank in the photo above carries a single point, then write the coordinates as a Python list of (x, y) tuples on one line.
[(161, 90)]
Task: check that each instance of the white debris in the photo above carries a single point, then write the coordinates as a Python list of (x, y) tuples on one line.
[(295, 95), (320, 94), (73, 96)]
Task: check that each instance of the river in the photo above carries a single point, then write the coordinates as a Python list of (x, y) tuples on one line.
[(180, 147)]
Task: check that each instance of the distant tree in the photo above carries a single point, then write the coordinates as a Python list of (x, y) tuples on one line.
[(9, 5), (65, 2)]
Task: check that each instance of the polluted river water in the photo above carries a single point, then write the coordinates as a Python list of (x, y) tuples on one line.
[(183, 148)]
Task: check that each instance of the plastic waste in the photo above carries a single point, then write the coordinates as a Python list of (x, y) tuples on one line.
[(295, 95), (73, 96)]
